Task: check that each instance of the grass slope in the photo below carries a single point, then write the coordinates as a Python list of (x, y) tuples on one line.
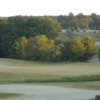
[(16, 71)]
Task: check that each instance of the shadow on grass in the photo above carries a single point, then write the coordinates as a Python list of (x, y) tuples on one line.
[(8, 95)]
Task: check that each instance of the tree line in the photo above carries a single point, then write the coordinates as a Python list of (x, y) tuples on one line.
[(35, 38), (12, 28), (80, 21), (41, 48)]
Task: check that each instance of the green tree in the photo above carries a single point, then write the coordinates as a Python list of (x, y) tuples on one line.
[(96, 21), (4, 38), (13, 28), (84, 21), (99, 54), (72, 22)]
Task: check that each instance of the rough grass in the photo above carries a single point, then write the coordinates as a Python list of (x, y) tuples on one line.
[(15, 78), (7, 95)]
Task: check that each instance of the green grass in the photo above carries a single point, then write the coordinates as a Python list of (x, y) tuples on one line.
[(37, 78), (64, 74), (7, 95), (92, 85)]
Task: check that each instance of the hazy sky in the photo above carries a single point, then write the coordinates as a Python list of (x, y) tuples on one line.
[(48, 7)]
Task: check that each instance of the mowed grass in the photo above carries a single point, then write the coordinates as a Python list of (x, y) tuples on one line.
[(17, 71), (91, 85)]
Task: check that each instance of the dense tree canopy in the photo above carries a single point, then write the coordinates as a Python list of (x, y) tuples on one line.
[(37, 48), (12, 28), (77, 49), (35, 38)]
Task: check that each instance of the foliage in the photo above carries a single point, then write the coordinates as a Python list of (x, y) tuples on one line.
[(4, 38), (35, 38), (90, 48), (37, 48), (13, 28), (79, 21), (96, 21), (99, 54), (40, 48), (33, 26), (19, 47), (78, 49)]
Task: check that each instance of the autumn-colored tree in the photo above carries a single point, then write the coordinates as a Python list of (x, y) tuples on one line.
[(13, 28), (41, 48), (76, 47), (19, 47), (90, 48), (73, 49)]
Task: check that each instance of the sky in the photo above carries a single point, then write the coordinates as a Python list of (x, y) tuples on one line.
[(48, 7)]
